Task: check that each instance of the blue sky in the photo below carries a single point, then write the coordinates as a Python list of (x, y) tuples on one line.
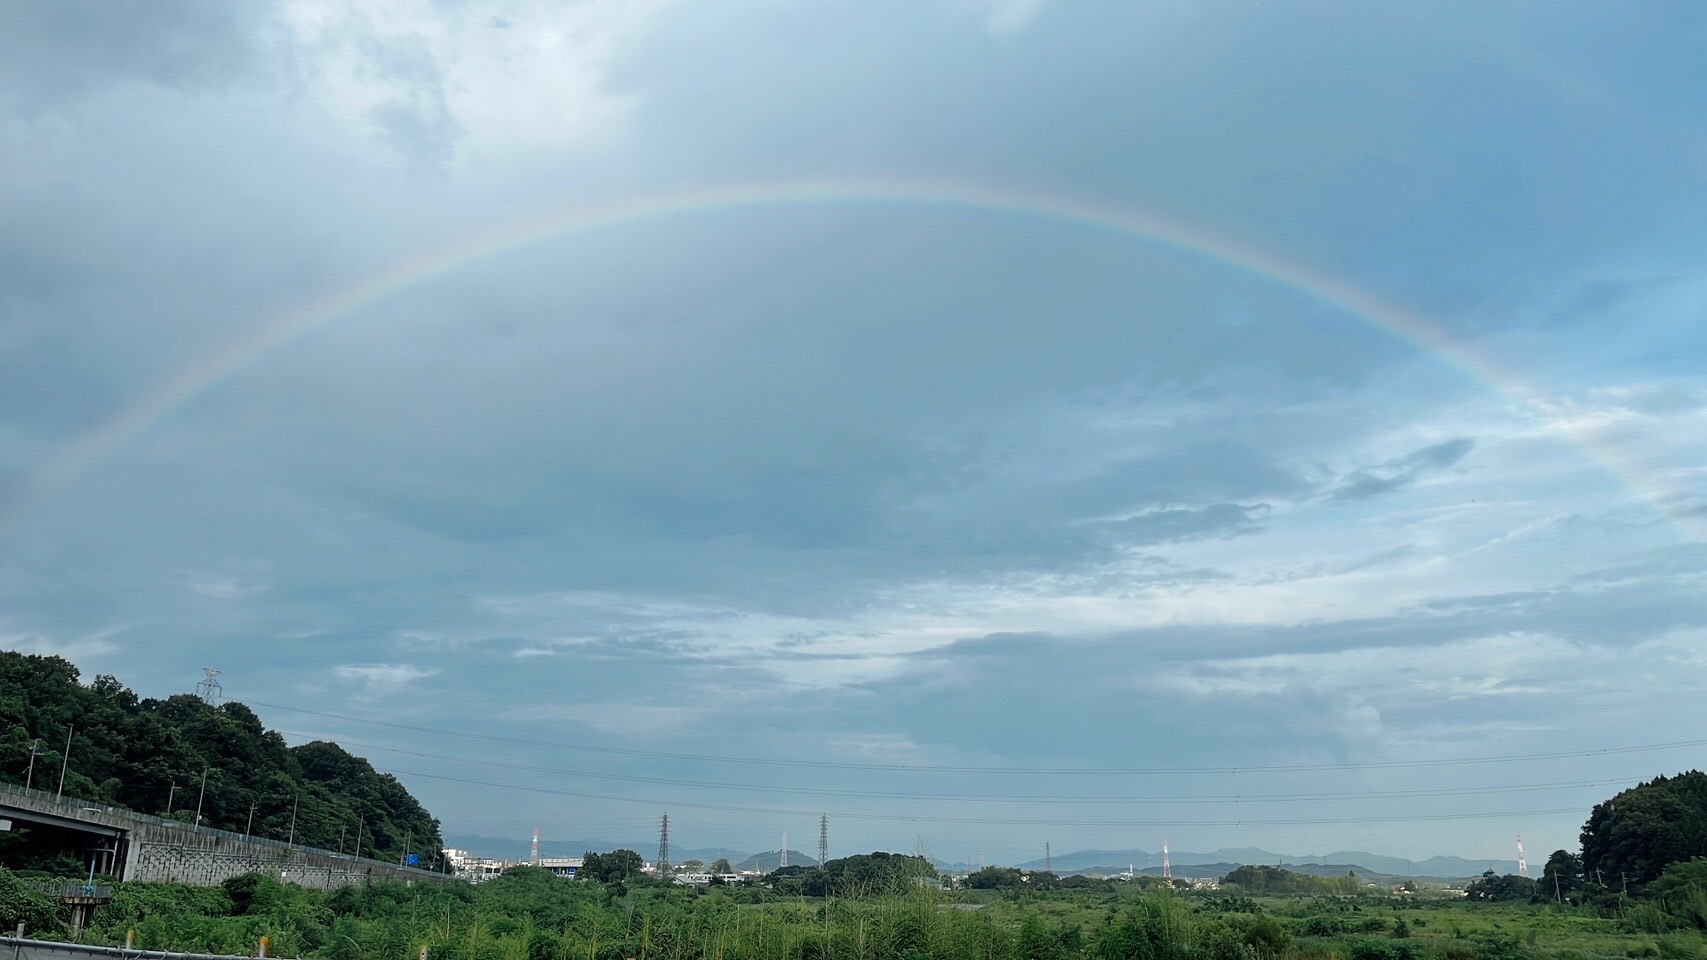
[(890, 495)]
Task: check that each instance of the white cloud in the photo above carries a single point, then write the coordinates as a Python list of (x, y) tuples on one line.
[(381, 679), (220, 586), (83, 649), (482, 81)]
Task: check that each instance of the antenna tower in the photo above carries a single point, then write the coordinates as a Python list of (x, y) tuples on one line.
[(533, 853), (1048, 858), (208, 689), (1167, 868), (664, 847), (1522, 862), (823, 839), (782, 858)]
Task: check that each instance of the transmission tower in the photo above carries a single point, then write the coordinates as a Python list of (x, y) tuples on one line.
[(823, 839), (980, 854), (782, 860), (533, 853), (1167, 868), (208, 689), (664, 847), (1048, 858), (1522, 862)]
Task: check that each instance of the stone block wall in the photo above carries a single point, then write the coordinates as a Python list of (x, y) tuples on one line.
[(165, 859)]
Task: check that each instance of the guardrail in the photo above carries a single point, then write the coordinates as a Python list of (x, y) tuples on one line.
[(69, 891), (24, 949)]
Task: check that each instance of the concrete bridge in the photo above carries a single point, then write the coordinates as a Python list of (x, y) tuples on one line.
[(135, 846)]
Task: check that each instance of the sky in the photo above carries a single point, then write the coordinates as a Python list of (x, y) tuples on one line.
[(982, 422)]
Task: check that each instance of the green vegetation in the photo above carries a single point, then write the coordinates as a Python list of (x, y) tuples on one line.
[(141, 754), (1277, 880), (1630, 839), (528, 914)]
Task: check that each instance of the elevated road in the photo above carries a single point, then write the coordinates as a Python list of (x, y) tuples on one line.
[(135, 846)]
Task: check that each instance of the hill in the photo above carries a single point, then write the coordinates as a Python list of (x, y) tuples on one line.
[(152, 756), (1110, 862), (771, 860)]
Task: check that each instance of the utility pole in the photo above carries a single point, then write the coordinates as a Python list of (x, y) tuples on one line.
[(294, 801), (200, 797), (64, 762), (249, 827), (35, 750), (170, 796)]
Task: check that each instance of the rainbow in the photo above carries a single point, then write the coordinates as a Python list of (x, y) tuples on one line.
[(77, 456)]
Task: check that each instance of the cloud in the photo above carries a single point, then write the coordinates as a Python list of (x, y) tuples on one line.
[(884, 481), (1367, 482), (1175, 524), (382, 679)]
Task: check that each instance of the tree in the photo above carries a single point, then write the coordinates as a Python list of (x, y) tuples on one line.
[(617, 866), (1562, 877), (994, 878), (1497, 889), (1631, 838), (722, 866)]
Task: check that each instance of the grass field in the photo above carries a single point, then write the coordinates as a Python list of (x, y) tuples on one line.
[(528, 915)]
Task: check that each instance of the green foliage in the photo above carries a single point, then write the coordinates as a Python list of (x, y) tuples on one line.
[(529, 914), (1264, 879), (1681, 892), (19, 903), (1562, 877), (1634, 836), (1508, 888), (994, 878), (617, 866), (141, 753)]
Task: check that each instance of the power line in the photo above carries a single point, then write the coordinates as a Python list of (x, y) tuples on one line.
[(1009, 821), (999, 798), (1048, 771)]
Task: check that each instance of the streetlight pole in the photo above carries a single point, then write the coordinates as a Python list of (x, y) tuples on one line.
[(35, 749), (200, 797), (64, 762)]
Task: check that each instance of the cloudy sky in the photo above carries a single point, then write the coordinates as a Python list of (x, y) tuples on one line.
[(981, 421)]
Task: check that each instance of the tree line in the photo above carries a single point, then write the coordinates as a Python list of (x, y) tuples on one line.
[(175, 756)]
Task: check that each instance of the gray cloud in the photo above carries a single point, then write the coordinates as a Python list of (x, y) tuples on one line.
[(862, 480), (1374, 481)]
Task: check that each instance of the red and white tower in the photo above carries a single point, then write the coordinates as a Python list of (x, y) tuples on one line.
[(533, 854), (1167, 868), (1522, 862)]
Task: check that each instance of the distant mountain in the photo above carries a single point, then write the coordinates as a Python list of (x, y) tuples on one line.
[(771, 860), (510, 848), (1373, 865)]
